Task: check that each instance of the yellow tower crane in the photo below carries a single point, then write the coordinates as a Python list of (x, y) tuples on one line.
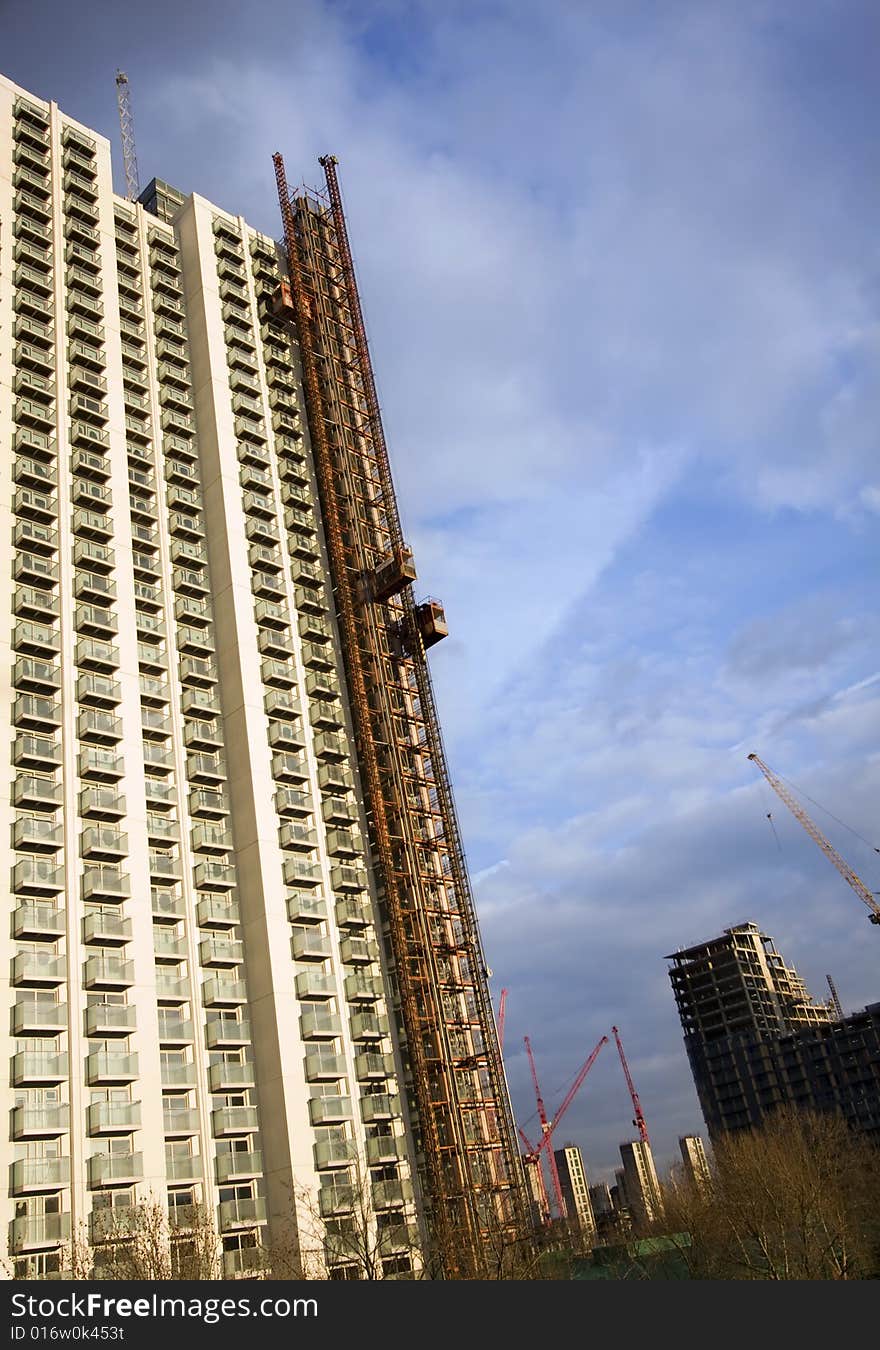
[(818, 837)]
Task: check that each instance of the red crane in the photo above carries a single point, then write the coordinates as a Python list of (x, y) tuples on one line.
[(502, 1013), (638, 1115), (547, 1127)]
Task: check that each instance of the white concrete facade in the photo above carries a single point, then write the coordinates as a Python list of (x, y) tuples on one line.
[(196, 1004)]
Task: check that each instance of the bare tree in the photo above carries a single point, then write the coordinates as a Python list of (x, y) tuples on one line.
[(797, 1199), (146, 1242)]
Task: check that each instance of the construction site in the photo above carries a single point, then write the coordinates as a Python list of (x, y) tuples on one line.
[(253, 984)]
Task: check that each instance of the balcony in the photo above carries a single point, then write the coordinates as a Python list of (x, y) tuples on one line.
[(115, 1169), (310, 946), (363, 988), (102, 883), (95, 589), (324, 1064), (344, 843), (102, 803), (392, 1194), (385, 1148), (36, 639), (181, 1122), (92, 654), (233, 1166), (164, 867), (241, 1213), (326, 716), (33, 1018), (168, 946), (205, 803), (95, 724), (297, 872), (216, 911), (373, 1066), (280, 674), (43, 677), (336, 1199), (334, 1153), (220, 952), (36, 794), (288, 768), (166, 906), (202, 736), (338, 811), (318, 657), (111, 1066), (39, 968), (185, 1168), (219, 993), (214, 876), (346, 878), (234, 1120), (108, 972), (103, 843), (34, 537), (110, 1019), (330, 1110), (113, 1117), (37, 1068), (38, 1230), (36, 752), (379, 1106), (102, 765), (274, 642), (178, 1075), (358, 951), (244, 1261), (40, 1122), (224, 1033), (230, 1077), (170, 988), (37, 835), (175, 1029), (36, 876), (314, 984), (306, 907), (318, 1025), (38, 922), (294, 802)]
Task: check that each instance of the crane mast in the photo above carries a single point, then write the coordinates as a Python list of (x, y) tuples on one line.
[(126, 124), (831, 853), (533, 1154), (638, 1115)]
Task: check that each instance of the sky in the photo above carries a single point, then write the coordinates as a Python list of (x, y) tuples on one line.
[(621, 275)]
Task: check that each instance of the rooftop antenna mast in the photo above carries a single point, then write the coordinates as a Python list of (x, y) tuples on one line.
[(129, 154)]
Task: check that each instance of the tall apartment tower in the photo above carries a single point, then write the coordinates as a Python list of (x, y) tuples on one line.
[(575, 1189), (202, 965), (694, 1160), (642, 1188), (756, 1040)]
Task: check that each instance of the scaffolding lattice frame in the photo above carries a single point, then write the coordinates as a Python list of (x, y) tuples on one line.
[(472, 1179)]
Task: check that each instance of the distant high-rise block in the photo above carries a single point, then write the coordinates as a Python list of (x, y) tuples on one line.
[(643, 1197), (600, 1199), (203, 1003), (693, 1156), (757, 1041), (575, 1189)]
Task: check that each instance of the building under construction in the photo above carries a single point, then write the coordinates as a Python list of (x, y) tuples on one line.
[(247, 977), (756, 1040)]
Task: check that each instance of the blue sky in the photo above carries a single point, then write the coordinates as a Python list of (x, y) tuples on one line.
[(620, 270)]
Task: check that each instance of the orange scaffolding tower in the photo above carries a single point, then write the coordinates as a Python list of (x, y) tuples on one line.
[(469, 1166)]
